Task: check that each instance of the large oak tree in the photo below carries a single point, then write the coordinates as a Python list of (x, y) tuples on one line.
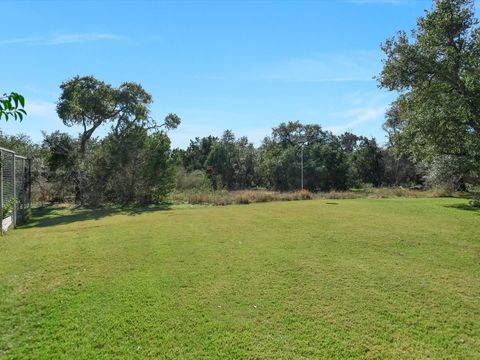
[(91, 103), (436, 71)]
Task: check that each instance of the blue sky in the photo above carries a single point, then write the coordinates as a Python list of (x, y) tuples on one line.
[(245, 66)]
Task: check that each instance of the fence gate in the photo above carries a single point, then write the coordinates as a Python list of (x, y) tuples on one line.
[(15, 188)]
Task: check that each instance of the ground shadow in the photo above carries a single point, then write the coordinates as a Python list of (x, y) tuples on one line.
[(59, 215), (464, 207)]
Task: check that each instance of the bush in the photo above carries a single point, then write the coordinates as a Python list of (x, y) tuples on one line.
[(475, 196), (196, 179), (8, 207), (446, 172)]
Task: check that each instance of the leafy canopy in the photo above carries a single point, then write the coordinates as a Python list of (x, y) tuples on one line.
[(436, 70), (90, 103)]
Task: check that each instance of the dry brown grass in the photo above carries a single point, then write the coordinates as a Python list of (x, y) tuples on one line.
[(238, 197), (385, 193), (256, 196)]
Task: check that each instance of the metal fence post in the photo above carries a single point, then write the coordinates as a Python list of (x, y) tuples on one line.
[(14, 212), (24, 186), (29, 183), (1, 188)]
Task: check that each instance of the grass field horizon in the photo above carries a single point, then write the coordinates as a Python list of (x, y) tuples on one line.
[(360, 278)]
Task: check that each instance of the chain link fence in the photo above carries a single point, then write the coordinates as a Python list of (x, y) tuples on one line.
[(15, 188)]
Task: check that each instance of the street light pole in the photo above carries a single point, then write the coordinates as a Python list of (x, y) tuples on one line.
[(301, 142), (302, 165)]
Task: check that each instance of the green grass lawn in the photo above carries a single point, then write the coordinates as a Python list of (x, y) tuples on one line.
[(397, 278)]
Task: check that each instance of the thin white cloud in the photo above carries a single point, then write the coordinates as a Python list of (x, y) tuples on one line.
[(363, 113), (41, 109), (328, 67), (61, 39), (35, 92), (347, 66), (390, 2), (78, 38), (358, 116), (23, 40)]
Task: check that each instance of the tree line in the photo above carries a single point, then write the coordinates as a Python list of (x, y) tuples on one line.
[(137, 165), (330, 162), (433, 128)]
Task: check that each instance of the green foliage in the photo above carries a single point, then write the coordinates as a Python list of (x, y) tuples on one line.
[(193, 180), (171, 121), (330, 162), (90, 103), (8, 207), (61, 150), (436, 69), (158, 170), (132, 166), (62, 168), (196, 154), (447, 171), (367, 161), (22, 144), (475, 196), (12, 105), (326, 164), (280, 166), (232, 162), (400, 170)]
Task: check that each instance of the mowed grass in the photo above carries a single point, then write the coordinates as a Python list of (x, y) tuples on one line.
[(392, 278)]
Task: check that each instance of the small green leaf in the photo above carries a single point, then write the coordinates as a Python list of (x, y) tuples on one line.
[(15, 100), (22, 100)]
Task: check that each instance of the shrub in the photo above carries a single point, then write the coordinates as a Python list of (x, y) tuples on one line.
[(8, 207), (475, 196), (196, 179), (446, 172)]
